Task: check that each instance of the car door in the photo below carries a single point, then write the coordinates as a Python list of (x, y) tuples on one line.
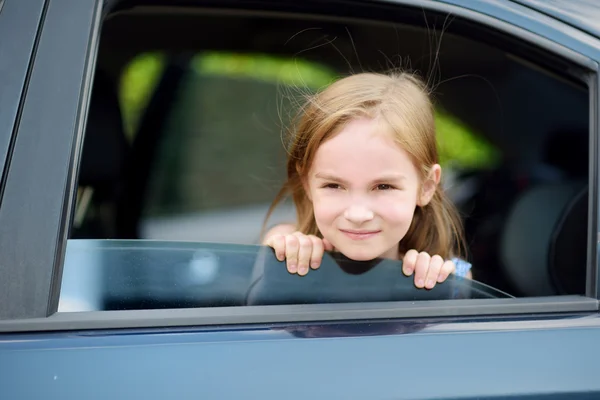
[(530, 347)]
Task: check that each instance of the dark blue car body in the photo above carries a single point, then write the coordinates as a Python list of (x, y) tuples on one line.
[(306, 352)]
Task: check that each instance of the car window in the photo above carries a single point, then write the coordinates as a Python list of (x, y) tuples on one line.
[(132, 275), (220, 157), (186, 144)]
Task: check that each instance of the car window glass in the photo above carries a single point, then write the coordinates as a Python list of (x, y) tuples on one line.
[(195, 153), (130, 275)]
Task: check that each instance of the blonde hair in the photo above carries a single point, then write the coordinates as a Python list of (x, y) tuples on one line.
[(401, 102)]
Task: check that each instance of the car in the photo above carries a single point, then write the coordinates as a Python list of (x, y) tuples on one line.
[(141, 146)]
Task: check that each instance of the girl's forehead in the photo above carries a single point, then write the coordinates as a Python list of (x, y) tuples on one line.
[(361, 139), (362, 149)]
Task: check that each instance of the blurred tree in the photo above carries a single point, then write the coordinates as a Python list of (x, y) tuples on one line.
[(226, 124), (458, 145)]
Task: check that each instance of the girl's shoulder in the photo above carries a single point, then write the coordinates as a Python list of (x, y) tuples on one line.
[(462, 267)]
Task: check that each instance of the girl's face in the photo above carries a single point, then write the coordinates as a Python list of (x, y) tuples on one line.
[(364, 190)]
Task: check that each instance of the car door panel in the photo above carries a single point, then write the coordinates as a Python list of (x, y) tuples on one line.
[(427, 361)]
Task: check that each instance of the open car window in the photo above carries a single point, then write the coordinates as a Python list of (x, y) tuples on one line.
[(220, 153), (180, 148), (197, 139)]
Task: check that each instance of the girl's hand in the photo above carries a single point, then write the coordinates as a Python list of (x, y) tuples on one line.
[(301, 251), (428, 270)]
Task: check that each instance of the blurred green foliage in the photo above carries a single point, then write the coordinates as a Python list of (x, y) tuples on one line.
[(282, 71), (137, 84), (458, 145)]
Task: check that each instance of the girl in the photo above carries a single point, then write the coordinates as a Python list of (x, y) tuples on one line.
[(363, 173)]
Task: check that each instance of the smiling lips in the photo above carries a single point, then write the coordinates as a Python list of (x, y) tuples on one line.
[(359, 234)]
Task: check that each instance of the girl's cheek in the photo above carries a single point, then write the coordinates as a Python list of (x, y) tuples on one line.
[(327, 207), (396, 208), (327, 197)]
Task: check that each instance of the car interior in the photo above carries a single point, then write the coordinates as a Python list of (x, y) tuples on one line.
[(205, 157)]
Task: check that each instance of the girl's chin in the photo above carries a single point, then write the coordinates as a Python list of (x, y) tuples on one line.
[(366, 253)]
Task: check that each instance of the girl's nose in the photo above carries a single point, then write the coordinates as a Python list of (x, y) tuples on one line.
[(358, 214)]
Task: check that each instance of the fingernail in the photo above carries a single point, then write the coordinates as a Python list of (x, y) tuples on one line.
[(429, 284), (420, 283), (314, 264), (303, 270), (408, 271), (292, 268)]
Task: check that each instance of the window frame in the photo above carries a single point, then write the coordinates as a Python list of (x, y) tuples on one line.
[(24, 23), (593, 270), (31, 267), (42, 167)]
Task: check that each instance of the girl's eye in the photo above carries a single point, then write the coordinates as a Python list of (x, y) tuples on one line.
[(331, 186), (384, 186)]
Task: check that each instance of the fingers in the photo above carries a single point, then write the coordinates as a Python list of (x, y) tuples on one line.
[(277, 242), (428, 270), (311, 252), (409, 261), (305, 251), (292, 247), (435, 266), (318, 248), (421, 268), (447, 268), (301, 251)]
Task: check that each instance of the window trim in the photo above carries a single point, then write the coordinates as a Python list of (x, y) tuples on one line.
[(52, 238), (18, 20), (515, 17), (34, 231), (593, 270), (244, 315)]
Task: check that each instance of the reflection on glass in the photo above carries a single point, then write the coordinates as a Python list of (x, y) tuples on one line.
[(138, 274)]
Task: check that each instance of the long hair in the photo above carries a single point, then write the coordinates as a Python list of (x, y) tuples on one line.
[(399, 101)]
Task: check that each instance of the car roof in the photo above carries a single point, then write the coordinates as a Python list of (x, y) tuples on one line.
[(582, 14)]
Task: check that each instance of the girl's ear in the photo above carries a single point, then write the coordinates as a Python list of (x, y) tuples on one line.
[(430, 185)]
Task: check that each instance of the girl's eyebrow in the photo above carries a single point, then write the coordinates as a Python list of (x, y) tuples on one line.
[(329, 177), (384, 178), (390, 178)]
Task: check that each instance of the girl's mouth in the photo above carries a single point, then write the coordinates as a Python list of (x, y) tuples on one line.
[(359, 234)]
